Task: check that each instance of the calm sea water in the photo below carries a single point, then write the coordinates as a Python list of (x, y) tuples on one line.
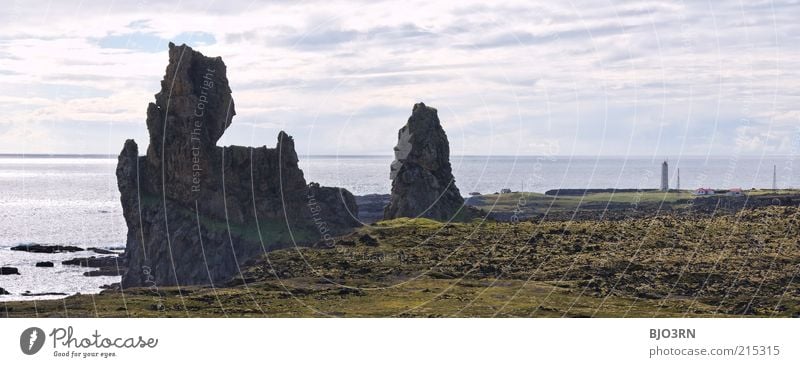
[(74, 200), (370, 174), (60, 201)]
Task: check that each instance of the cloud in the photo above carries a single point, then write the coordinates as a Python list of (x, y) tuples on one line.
[(640, 77), (151, 42)]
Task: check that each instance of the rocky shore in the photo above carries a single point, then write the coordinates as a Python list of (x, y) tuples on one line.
[(63, 267), (45, 249)]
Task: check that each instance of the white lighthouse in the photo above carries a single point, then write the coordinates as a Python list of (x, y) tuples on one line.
[(774, 177), (664, 176)]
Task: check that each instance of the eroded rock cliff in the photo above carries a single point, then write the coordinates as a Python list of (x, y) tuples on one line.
[(195, 211), (422, 179)]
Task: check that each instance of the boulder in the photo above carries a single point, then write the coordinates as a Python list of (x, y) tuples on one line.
[(422, 179), (3, 292), (196, 212), (108, 265), (101, 251), (45, 264), (93, 262), (45, 249), (105, 272), (8, 270), (29, 294), (368, 240)]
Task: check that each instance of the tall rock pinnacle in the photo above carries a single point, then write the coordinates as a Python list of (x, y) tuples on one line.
[(422, 179), (189, 115)]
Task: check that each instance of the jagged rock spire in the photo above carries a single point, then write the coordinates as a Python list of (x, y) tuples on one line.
[(422, 178)]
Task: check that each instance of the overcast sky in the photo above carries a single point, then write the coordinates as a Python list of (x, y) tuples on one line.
[(552, 77)]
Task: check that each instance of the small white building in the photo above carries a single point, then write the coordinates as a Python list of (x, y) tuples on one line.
[(735, 192), (704, 191)]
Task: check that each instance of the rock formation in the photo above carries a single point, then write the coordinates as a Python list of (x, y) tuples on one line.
[(9, 270), (422, 179), (195, 211), (45, 249)]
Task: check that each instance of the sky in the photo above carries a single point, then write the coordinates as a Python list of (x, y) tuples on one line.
[(644, 78)]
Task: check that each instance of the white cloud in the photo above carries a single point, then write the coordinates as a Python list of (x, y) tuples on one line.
[(639, 77)]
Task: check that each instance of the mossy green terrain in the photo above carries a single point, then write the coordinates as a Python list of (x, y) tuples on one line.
[(665, 265), (621, 204)]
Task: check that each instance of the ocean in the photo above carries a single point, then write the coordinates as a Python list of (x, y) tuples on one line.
[(484, 174), (58, 201), (73, 200)]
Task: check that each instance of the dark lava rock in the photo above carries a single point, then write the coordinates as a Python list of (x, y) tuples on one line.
[(105, 272), (422, 180), (113, 287), (349, 291), (46, 249), (92, 262), (108, 265), (195, 211), (45, 264), (368, 240), (29, 294), (101, 251), (3, 292), (7, 270)]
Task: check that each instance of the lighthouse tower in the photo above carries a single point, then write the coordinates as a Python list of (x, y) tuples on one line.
[(774, 177), (664, 176)]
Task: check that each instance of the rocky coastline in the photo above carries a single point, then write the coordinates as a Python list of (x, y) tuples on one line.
[(203, 217)]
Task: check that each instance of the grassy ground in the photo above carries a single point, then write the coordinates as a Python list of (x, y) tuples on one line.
[(609, 205), (540, 203), (423, 297), (741, 264)]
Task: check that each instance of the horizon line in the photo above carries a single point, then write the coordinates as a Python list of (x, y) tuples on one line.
[(110, 155)]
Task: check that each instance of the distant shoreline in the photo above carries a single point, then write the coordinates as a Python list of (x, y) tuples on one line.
[(600, 157), (18, 155)]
